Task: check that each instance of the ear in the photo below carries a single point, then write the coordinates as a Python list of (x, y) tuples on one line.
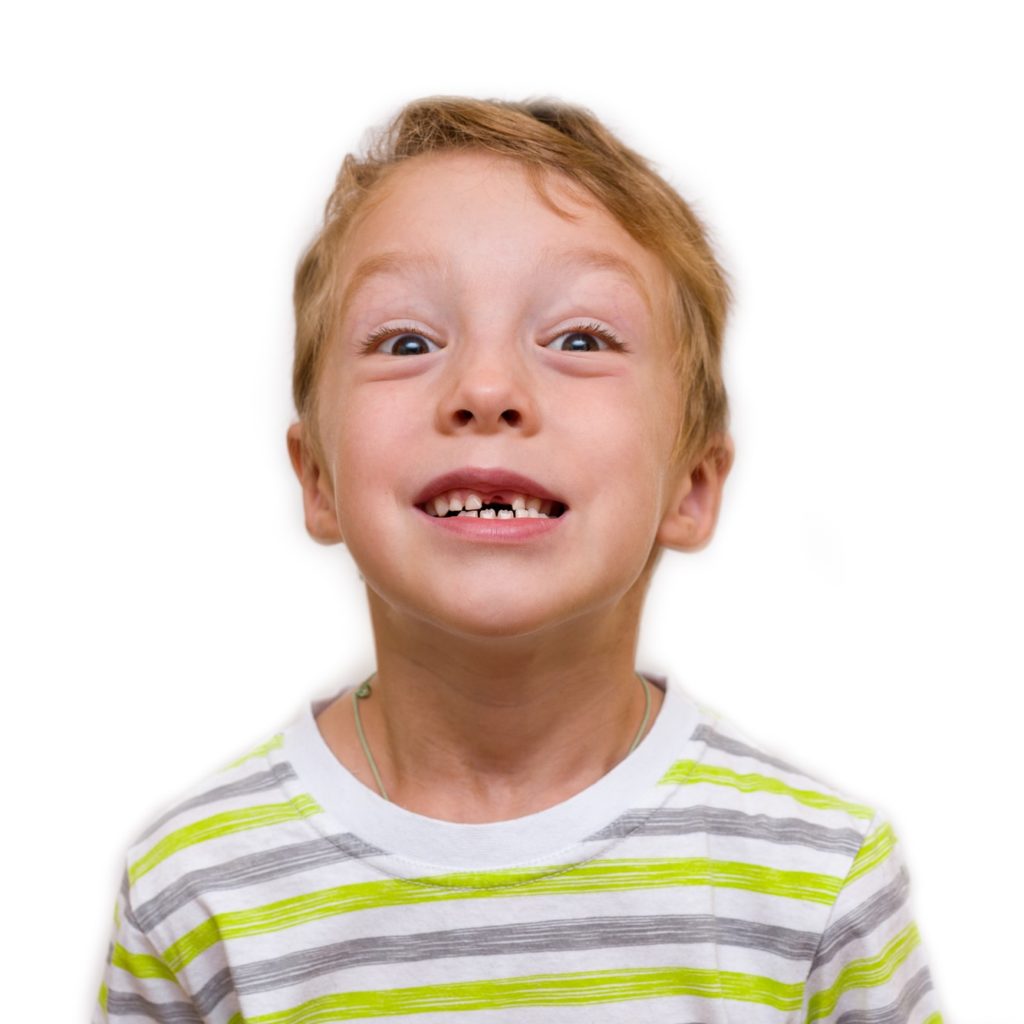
[(317, 492), (689, 521)]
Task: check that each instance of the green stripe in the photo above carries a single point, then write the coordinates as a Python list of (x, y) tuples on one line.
[(140, 965), (590, 877), (864, 973), (103, 996), (690, 772), (935, 1018), (577, 989), (224, 824), (876, 848), (263, 749)]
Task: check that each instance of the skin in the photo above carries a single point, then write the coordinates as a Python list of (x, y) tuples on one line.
[(505, 680)]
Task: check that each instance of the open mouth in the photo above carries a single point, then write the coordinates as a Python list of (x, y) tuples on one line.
[(466, 502)]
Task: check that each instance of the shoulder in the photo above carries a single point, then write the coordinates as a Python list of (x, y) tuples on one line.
[(755, 807), (219, 828), (826, 848), (737, 771), (760, 806)]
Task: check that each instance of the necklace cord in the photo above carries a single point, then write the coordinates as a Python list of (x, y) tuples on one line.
[(647, 714), (365, 690), (361, 694)]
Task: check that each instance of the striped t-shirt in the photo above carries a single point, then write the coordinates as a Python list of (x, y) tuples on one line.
[(701, 880)]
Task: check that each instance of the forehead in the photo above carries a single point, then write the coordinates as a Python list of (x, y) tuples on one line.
[(456, 213)]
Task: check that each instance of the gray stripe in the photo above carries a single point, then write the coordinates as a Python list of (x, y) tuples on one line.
[(503, 940), (252, 869), (897, 1012), (126, 1004), (863, 920), (129, 916), (124, 903), (713, 738), (255, 783), (671, 821)]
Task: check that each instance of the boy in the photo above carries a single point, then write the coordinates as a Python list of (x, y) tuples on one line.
[(510, 402)]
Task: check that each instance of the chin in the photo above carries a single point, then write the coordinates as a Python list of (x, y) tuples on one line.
[(474, 616), (499, 624)]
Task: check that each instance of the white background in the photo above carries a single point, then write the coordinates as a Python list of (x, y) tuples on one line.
[(860, 608)]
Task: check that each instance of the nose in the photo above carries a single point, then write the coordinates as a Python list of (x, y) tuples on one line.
[(489, 390)]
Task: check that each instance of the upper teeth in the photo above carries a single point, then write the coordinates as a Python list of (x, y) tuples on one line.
[(470, 503)]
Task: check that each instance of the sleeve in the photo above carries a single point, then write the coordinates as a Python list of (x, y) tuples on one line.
[(137, 983), (870, 965)]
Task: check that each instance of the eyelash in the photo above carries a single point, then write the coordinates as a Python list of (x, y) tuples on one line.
[(383, 334)]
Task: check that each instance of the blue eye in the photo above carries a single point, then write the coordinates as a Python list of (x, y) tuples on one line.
[(399, 342), (590, 338)]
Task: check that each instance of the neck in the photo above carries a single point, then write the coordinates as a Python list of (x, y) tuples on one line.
[(465, 729)]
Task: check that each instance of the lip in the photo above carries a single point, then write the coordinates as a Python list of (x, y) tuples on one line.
[(493, 531), (487, 481)]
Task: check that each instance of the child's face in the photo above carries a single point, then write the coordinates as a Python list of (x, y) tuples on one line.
[(508, 339)]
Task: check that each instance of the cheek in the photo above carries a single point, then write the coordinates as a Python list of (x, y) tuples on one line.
[(664, 401), (377, 463), (646, 423), (372, 427)]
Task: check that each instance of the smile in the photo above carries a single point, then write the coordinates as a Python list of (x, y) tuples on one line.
[(475, 493), (506, 505)]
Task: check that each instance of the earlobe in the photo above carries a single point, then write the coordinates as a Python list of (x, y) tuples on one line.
[(317, 493), (689, 523)]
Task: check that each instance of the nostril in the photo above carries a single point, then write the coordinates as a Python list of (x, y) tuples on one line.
[(511, 416)]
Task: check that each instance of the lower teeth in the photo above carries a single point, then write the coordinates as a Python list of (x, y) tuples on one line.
[(489, 513)]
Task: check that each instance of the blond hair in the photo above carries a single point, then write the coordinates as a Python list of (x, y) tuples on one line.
[(543, 136)]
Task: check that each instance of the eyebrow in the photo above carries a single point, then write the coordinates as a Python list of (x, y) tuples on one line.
[(402, 263), (598, 259), (385, 263)]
